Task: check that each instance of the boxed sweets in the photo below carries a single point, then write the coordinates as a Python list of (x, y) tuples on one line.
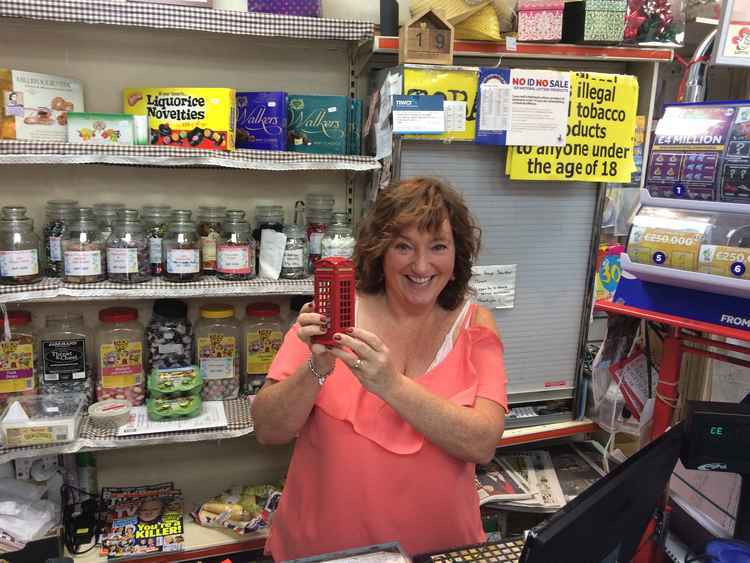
[(106, 129), (35, 106), (594, 21), (540, 20), (318, 124), (261, 120), (307, 8), (201, 118)]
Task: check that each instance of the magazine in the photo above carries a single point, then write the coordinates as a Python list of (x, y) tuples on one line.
[(141, 520), (494, 483)]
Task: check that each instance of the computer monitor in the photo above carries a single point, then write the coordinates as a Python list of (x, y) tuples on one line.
[(606, 523)]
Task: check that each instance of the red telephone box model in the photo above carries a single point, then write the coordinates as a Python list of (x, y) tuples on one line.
[(334, 296)]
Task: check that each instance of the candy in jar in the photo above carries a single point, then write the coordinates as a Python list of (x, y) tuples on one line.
[(19, 248), (209, 229), (338, 240), (84, 251), (65, 350), (17, 365), (59, 212), (169, 335), (106, 215), (181, 249), (262, 337), (235, 253), (155, 221), (217, 342), (119, 347), (127, 250)]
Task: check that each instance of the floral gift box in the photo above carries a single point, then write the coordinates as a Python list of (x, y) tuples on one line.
[(594, 21), (540, 20)]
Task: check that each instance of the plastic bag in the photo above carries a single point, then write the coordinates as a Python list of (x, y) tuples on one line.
[(242, 509)]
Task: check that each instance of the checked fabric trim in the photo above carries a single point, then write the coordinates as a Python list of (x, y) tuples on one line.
[(46, 152), (186, 17)]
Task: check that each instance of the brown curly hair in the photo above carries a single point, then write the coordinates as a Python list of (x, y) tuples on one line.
[(426, 202)]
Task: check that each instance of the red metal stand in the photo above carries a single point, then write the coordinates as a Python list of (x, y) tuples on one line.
[(676, 342)]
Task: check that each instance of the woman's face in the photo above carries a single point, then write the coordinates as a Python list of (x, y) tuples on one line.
[(419, 264), (149, 510)]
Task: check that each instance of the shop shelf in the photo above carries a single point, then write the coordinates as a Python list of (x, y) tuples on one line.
[(161, 16), (693, 205), (689, 280), (39, 152), (530, 434), (50, 289), (90, 438), (200, 543), (390, 45)]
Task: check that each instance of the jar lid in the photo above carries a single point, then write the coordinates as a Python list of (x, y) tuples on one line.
[(319, 201), (13, 217), (18, 318), (262, 310), (107, 208), (294, 231), (156, 211), (218, 311), (212, 212), (118, 314), (61, 203), (235, 215), (170, 308)]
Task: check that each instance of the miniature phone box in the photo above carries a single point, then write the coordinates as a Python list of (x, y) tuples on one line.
[(334, 296)]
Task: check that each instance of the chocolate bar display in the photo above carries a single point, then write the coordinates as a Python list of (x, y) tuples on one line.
[(318, 124), (261, 120)]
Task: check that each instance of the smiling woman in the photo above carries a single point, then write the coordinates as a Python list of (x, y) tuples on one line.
[(400, 410)]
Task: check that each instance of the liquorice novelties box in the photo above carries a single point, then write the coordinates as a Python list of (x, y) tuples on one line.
[(261, 120), (35, 106), (201, 118), (318, 124)]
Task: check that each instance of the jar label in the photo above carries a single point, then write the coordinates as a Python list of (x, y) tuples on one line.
[(83, 262), (17, 365), (173, 348), (262, 346), (340, 251), (121, 364), (55, 249), (63, 360), (294, 258), (233, 259), (183, 261), (154, 250), (208, 246), (122, 260), (14, 263), (315, 239), (217, 353)]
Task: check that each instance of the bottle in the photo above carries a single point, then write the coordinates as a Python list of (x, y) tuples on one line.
[(106, 215), (338, 240), (294, 263), (119, 349), (262, 335), (127, 250), (65, 356), (84, 249), (20, 248), (58, 213), (235, 253), (217, 342), (209, 229), (182, 254), (155, 222)]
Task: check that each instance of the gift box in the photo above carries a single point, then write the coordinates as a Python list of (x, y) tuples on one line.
[(309, 8), (540, 20), (594, 21), (261, 120), (318, 124)]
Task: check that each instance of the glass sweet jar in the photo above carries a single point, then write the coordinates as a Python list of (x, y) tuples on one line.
[(84, 249), (235, 253), (127, 250), (182, 249), (20, 248)]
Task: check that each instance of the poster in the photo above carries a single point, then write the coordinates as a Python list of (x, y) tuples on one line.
[(734, 34), (418, 114), (599, 145), (522, 107)]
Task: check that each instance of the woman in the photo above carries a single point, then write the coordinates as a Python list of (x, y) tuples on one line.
[(393, 419)]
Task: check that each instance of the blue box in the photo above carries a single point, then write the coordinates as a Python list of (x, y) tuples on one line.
[(261, 120)]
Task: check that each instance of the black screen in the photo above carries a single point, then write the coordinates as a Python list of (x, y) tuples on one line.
[(605, 523)]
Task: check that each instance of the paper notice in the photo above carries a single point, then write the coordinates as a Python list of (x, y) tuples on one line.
[(495, 107), (455, 116), (495, 286)]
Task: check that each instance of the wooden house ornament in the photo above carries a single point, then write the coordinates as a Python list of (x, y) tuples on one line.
[(426, 39)]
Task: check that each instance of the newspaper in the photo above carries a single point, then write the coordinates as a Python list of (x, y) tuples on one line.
[(521, 467), (548, 495), (495, 483), (574, 472)]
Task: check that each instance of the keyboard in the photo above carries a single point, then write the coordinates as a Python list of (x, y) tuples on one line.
[(506, 551)]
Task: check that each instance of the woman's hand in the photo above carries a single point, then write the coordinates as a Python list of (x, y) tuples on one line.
[(313, 324), (369, 359)]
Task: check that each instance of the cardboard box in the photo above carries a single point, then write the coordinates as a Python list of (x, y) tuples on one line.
[(35, 106), (201, 118), (104, 129), (318, 124), (308, 8), (594, 21), (261, 120), (540, 20)]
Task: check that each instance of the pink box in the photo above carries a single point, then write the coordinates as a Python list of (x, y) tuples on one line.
[(309, 8), (540, 20)]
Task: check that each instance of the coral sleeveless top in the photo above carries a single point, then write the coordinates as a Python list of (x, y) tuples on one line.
[(361, 475)]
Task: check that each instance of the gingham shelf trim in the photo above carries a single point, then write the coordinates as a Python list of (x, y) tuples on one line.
[(239, 423), (43, 152), (50, 288), (186, 17)]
